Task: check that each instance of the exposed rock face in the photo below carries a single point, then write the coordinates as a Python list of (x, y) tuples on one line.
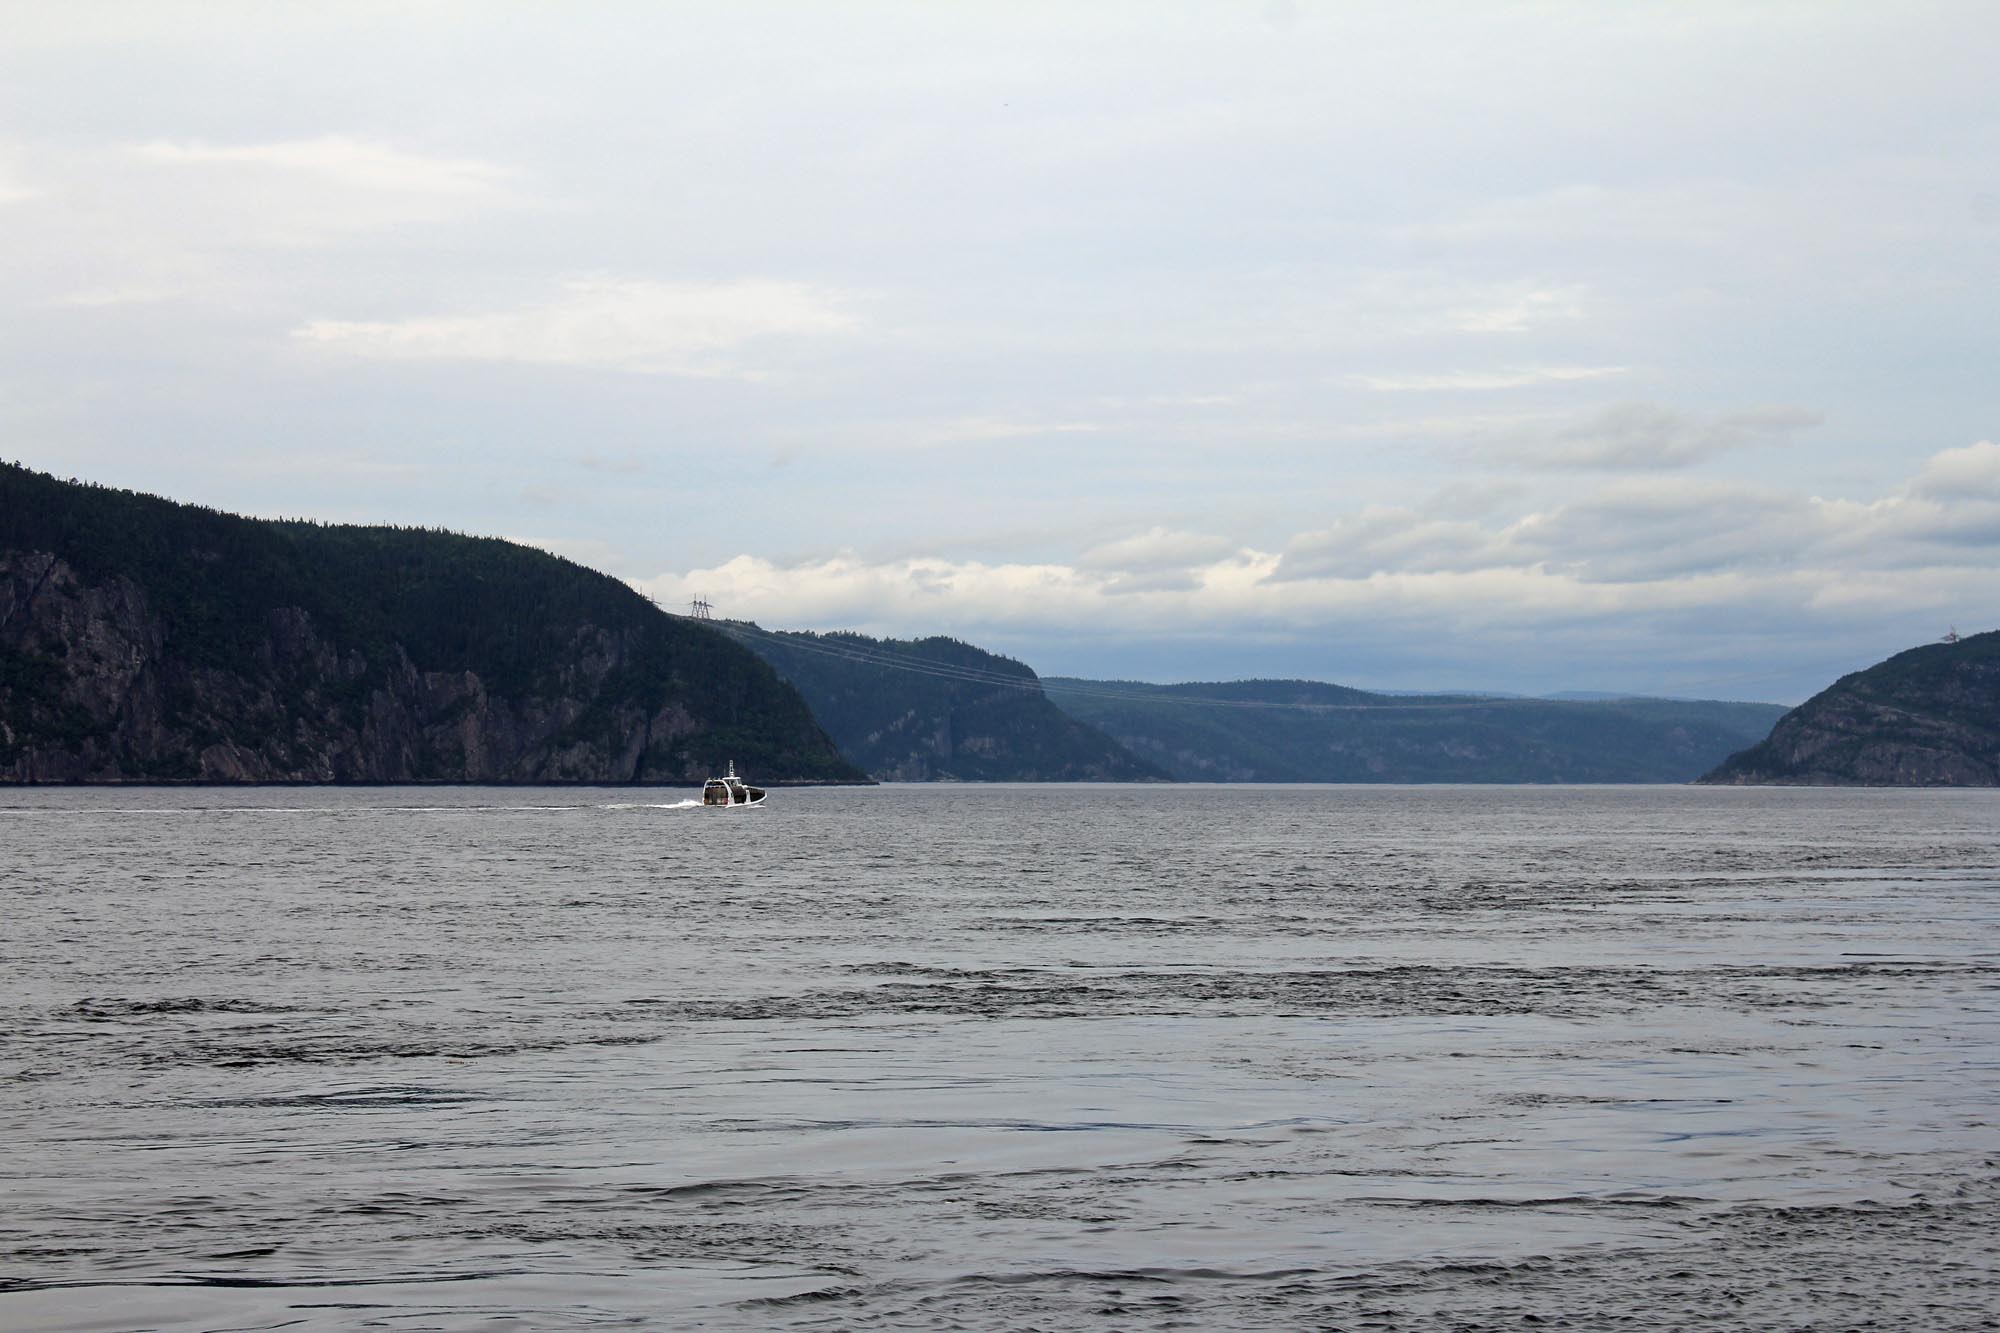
[(1929, 717), (142, 640), (112, 704)]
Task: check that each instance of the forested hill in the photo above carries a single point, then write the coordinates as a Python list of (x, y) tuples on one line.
[(1928, 717), (935, 709), (1305, 731), (144, 640)]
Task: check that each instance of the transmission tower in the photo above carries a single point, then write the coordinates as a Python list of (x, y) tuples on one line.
[(701, 609)]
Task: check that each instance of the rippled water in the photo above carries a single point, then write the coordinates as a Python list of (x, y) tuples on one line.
[(997, 1058)]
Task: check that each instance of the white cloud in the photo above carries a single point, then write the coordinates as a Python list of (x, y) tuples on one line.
[(972, 430), (348, 161), (1971, 471), (1517, 309), (332, 183), (1157, 549), (1518, 377), (1118, 272), (937, 595), (98, 298), (213, 226), (13, 189), (637, 326), (1193, 399), (1713, 557), (1683, 212), (1868, 199)]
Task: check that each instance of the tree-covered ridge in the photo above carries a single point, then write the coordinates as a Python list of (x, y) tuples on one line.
[(1308, 731), (255, 627), (1926, 717), (939, 709)]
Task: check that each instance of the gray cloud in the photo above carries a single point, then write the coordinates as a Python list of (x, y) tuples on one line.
[(1383, 539), (1970, 472), (1509, 377), (1645, 584), (1643, 437), (1662, 530), (1186, 334), (624, 464)]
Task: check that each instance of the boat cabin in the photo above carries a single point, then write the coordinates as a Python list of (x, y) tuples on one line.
[(730, 790)]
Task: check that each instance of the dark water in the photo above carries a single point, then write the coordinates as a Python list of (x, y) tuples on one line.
[(1000, 1058)]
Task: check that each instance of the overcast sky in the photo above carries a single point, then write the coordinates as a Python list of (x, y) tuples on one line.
[(1525, 347)]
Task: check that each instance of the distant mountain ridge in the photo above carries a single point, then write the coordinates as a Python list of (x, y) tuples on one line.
[(938, 710), (144, 640), (1308, 731), (1927, 717)]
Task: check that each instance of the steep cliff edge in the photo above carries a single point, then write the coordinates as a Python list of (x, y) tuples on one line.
[(938, 710), (143, 640), (1929, 717)]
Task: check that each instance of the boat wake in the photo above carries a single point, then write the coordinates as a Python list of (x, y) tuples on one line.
[(652, 805)]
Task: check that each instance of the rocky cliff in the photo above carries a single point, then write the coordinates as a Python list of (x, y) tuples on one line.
[(938, 710), (142, 640), (1929, 717)]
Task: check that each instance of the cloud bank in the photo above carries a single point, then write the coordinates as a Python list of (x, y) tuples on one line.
[(1691, 557), (1109, 319)]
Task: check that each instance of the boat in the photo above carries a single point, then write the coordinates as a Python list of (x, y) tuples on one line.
[(730, 790)]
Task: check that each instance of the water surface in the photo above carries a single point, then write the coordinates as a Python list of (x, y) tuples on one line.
[(1001, 1057)]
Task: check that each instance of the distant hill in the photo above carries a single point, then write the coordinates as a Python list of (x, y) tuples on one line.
[(143, 640), (1305, 731), (937, 710), (1929, 717)]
